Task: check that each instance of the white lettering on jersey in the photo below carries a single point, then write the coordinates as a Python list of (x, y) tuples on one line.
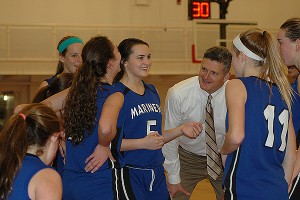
[(144, 108)]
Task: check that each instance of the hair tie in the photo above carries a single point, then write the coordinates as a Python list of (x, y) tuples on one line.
[(23, 116), (94, 64)]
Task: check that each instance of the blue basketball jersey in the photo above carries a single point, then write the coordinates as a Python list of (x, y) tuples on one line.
[(254, 170), (141, 173), (79, 184), (77, 154), (296, 108), (58, 162), (139, 115), (295, 189), (30, 166)]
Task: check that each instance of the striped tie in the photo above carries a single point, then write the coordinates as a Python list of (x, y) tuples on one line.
[(214, 168)]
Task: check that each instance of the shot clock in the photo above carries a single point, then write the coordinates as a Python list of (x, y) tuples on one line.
[(198, 9)]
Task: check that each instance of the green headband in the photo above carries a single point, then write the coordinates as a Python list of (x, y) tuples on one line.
[(68, 42)]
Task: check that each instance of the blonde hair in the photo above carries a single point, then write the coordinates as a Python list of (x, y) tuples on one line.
[(263, 44)]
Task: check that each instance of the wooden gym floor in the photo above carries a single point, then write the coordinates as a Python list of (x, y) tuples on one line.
[(203, 191)]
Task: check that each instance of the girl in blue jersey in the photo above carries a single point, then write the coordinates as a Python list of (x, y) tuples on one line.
[(289, 40), (82, 111), (133, 113), (59, 83), (260, 142), (28, 144), (87, 173), (69, 49)]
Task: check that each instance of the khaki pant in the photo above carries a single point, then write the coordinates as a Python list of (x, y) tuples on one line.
[(193, 170)]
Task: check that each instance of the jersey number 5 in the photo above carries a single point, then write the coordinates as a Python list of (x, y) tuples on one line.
[(149, 124), (283, 118)]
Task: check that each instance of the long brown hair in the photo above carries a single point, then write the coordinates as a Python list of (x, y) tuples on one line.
[(33, 126), (59, 83), (80, 107)]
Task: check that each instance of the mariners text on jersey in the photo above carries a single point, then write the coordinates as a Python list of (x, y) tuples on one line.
[(144, 108)]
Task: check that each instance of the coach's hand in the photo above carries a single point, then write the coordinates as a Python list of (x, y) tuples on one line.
[(177, 188)]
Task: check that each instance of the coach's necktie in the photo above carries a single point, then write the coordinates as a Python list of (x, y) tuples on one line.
[(214, 168)]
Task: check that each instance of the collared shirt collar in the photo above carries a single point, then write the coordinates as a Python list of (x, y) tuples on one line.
[(213, 94)]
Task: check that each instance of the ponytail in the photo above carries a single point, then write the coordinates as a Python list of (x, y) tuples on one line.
[(273, 70), (32, 127), (13, 139)]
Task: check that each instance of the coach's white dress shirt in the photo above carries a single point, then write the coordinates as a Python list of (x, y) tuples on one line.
[(185, 102)]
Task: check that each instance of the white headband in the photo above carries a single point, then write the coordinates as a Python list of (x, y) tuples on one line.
[(241, 47)]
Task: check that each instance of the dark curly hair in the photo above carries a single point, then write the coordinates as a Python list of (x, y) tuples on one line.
[(59, 83), (80, 107)]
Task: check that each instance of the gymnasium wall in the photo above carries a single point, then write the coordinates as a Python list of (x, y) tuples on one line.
[(31, 29)]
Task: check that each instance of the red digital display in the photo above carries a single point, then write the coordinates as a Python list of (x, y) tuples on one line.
[(199, 9)]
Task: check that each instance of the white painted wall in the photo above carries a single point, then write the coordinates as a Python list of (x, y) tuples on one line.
[(269, 13), (16, 54)]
